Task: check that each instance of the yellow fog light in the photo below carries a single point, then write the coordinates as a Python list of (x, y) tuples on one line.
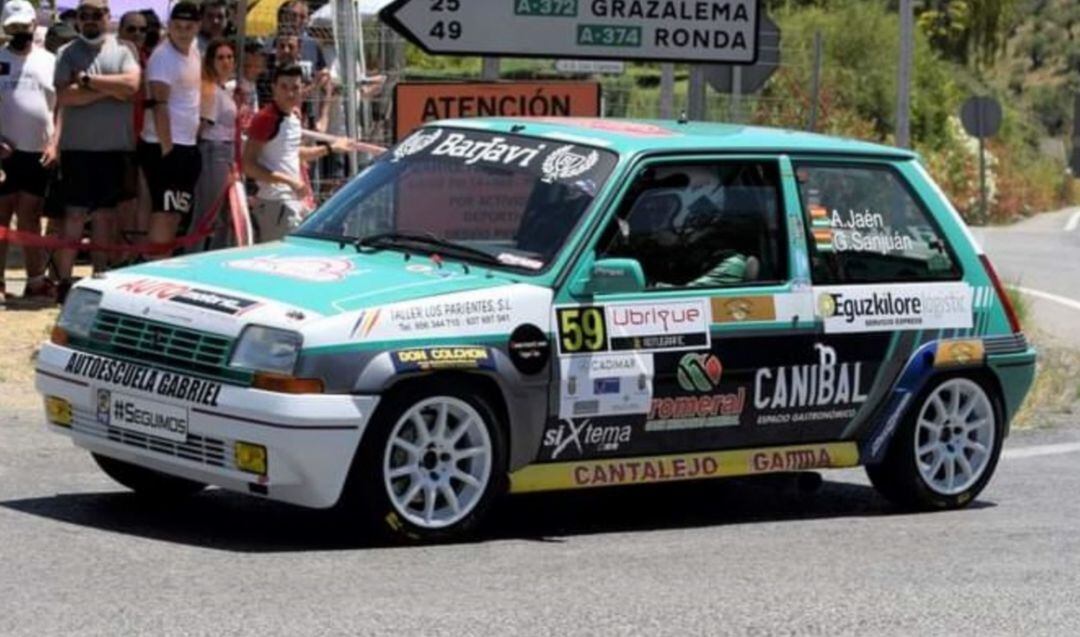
[(250, 457), (58, 411)]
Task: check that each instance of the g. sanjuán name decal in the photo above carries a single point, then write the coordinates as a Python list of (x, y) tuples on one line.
[(142, 378)]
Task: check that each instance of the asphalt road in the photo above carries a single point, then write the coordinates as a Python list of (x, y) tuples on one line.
[(79, 556), (1042, 256)]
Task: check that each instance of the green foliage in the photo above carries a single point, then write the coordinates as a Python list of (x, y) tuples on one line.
[(966, 30)]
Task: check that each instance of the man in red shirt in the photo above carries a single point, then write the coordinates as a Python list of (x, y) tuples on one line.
[(274, 155)]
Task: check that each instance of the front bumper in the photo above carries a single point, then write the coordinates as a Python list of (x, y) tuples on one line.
[(310, 439)]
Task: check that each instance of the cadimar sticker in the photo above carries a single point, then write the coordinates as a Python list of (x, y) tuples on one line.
[(688, 466)]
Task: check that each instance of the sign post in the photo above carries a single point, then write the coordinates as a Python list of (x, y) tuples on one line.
[(708, 31), (981, 117)]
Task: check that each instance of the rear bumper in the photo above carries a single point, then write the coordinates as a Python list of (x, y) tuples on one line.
[(1016, 373), (310, 439)]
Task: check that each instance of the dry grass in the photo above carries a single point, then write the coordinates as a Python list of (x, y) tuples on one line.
[(1056, 390)]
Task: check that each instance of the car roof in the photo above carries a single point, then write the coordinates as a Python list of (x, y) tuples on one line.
[(646, 136)]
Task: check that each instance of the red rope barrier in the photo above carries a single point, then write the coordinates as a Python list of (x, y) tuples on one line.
[(203, 229)]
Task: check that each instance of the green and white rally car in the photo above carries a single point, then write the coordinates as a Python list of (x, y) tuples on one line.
[(528, 304)]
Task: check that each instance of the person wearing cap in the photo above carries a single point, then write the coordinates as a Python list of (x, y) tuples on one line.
[(96, 78), (169, 154), (27, 103)]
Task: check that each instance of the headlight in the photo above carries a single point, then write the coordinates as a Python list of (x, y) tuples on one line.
[(265, 349), (80, 308)]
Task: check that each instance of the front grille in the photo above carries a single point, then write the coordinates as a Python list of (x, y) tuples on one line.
[(209, 451), (161, 343)]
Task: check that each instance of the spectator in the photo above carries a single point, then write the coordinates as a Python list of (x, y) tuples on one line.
[(133, 210), (153, 32), (247, 89), (217, 134), (273, 155), (96, 77), (169, 155), (58, 35), (70, 18), (27, 102), (215, 23)]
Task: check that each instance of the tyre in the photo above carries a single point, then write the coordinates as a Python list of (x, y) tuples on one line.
[(430, 466), (147, 482), (947, 448)]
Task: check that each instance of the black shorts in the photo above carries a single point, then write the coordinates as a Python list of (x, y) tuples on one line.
[(129, 189), (171, 179), (24, 174), (92, 179)]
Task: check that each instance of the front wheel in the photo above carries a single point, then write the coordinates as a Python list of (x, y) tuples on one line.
[(947, 449), (147, 482), (431, 465)]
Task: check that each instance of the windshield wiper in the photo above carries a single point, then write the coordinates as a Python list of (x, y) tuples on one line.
[(399, 239)]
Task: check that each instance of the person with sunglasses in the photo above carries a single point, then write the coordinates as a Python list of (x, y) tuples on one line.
[(96, 78), (169, 154), (134, 209)]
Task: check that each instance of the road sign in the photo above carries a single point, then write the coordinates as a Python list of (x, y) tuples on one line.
[(981, 116), (719, 76), (610, 67), (718, 31), (419, 102)]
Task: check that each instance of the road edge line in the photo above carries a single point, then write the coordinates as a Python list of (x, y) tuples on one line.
[(1041, 450), (1039, 294), (1073, 222)]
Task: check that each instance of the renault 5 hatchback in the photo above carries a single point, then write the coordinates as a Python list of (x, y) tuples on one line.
[(525, 305)]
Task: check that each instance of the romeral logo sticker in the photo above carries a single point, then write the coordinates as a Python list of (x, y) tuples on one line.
[(704, 405), (849, 309), (827, 390)]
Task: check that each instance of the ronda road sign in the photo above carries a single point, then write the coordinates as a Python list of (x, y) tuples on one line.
[(719, 31)]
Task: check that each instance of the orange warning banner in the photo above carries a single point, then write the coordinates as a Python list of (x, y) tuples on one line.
[(420, 102)]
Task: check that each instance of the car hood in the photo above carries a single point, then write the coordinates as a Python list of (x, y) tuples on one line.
[(315, 287)]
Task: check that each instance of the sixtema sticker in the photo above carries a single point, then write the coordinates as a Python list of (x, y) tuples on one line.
[(605, 384), (912, 306), (575, 438), (645, 327), (431, 358)]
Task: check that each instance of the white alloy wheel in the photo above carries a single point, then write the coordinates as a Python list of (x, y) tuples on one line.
[(437, 462), (954, 436)]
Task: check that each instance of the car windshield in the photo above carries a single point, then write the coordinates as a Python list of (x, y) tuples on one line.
[(501, 199)]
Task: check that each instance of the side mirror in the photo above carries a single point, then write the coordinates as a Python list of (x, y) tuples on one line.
[(611, 276)]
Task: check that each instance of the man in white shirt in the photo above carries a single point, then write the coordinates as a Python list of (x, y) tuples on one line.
[(27, 143), (168, 151)]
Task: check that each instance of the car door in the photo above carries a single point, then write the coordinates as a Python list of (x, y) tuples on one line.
[(689, 324), (885, 279)]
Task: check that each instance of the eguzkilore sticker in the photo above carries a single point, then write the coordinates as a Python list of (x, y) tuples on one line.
[(677, 467)]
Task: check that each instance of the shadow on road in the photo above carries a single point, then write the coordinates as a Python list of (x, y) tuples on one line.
[(231, 522)]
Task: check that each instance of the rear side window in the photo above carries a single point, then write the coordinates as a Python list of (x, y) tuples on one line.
[(866, 226)]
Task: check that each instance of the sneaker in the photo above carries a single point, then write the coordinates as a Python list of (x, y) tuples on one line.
[(41, 290), (3, 292)]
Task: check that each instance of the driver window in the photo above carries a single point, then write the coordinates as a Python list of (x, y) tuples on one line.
[(702, 225)]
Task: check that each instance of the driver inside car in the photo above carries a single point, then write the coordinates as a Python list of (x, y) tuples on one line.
[(698, 216)]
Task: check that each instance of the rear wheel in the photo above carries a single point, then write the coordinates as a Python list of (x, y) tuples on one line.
[(947, 449), (431, 465), (147, 482)]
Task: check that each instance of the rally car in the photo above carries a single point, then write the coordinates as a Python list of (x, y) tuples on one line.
[(534, 304)]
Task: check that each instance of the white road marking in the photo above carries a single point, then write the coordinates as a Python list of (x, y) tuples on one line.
[(1039, 294), (1041, 450), (1073, 222)]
